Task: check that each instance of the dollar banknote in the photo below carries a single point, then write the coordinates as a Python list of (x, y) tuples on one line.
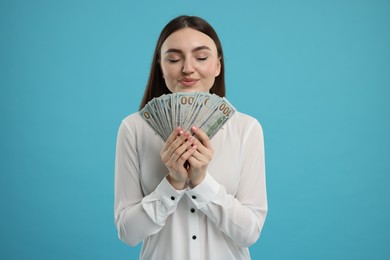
[(206, 111)]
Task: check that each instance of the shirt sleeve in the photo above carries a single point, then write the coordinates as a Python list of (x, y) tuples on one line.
[(240, 217), (138, 216)]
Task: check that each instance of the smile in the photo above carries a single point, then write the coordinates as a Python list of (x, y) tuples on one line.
[(188, 82)]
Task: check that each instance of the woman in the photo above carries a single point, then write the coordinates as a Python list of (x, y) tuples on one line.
[(190, 198)]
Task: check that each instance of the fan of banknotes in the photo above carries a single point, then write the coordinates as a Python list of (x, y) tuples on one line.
[(206, 111)]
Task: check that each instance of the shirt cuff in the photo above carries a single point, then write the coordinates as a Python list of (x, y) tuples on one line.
[(162, 202), (205, 192), (167, 193)]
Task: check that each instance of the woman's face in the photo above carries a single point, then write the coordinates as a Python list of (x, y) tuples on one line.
[(189, 61)]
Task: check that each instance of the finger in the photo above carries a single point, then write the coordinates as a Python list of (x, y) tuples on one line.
[(187, 154), (170, 145), (197, 159), (198, 156), (203, 138), (181, 150), (201, 148), (183, 137), (175, 133), (193, 160)]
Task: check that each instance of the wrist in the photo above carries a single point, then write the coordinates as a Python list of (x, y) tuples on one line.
[(177, 185), (196, 181)]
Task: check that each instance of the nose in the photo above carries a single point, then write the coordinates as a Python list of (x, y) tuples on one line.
[(188, 67)]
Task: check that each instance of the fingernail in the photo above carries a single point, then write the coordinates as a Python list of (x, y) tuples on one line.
[(194, 128)]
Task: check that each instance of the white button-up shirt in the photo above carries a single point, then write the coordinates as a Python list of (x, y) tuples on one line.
[(218, 219)]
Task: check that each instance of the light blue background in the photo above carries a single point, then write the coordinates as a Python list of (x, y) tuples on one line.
[(316, 75)]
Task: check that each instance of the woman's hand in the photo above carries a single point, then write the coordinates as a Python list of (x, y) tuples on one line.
[(178, 148), (200, 159)]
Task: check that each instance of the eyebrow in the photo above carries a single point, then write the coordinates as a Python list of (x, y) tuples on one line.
[(194, 50)]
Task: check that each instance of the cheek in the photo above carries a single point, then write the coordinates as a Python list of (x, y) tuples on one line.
[(210, 70), (168, 72), (169, 77)]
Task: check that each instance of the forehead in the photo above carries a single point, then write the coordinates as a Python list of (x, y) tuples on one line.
[(188, 39)]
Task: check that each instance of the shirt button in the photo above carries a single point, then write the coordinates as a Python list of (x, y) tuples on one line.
[(193, 196), (192, 210), (194, 237), (172, 198)]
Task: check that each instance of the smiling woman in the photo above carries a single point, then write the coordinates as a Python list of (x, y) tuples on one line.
[(156, 84), (189, 61), (190, 197)]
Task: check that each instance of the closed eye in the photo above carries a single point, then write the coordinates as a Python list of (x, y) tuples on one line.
[(173, 60), (202, 58)]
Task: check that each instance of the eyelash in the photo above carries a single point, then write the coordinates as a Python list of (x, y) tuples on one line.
[(176, 60)]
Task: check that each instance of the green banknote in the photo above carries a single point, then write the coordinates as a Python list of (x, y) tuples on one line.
[(206, 111)]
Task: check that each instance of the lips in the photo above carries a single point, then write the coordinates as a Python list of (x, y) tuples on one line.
[(188, 82)]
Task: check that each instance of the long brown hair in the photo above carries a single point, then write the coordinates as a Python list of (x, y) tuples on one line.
[(156, 84)]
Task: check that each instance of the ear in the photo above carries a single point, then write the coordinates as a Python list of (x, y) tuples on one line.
[(218, 67)]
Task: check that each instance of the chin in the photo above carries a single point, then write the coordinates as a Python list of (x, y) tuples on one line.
[(192, 90), (187, 90)]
